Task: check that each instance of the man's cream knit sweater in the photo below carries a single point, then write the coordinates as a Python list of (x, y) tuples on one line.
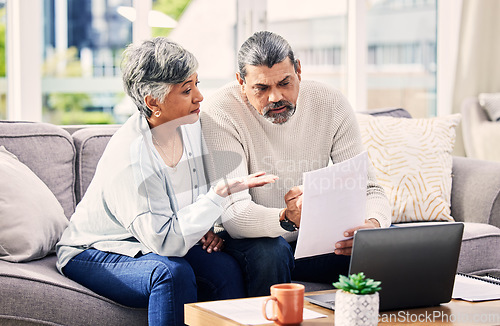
[(242, 142)]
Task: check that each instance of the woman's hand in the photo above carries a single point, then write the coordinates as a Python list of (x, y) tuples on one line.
[(227, 187), (212, 242)]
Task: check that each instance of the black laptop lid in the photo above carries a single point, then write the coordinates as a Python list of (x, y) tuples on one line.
[(416, 264)]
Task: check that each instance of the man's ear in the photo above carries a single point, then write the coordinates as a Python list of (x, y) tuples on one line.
[(298, 70), (241, 81)]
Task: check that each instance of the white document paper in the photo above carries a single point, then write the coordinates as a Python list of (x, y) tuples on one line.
[(334, 200), (248, 311), (475, 289)]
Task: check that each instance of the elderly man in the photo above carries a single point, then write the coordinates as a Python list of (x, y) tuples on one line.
[(270, 120)]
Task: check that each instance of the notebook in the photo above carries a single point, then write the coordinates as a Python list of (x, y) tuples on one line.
[(416, 264), (476, 288)]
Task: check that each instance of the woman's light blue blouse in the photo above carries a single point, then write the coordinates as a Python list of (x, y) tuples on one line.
[(130, 206)]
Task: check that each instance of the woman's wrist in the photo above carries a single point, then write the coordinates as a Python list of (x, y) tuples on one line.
[(222, 188)]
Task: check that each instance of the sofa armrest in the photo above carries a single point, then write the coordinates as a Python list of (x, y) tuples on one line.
[(475, 191), (479, 132)]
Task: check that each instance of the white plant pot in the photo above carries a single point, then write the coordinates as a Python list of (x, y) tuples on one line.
[(356, 309)]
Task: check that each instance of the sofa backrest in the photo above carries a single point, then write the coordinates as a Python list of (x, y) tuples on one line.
[(392, 112), (49, 152), (91, 141), (90, 144), (66, 160)]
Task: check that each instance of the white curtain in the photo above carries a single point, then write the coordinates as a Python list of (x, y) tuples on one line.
[(478, 58)]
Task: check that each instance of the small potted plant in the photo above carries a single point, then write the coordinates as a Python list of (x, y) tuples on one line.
[(357, 301)]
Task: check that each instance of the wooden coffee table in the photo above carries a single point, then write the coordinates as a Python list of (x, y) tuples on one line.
[(456, 312)]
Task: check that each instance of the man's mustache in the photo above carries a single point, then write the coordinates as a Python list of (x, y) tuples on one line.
[(276, 105)]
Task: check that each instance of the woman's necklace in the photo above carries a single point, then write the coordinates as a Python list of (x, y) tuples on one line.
[(171, 163)]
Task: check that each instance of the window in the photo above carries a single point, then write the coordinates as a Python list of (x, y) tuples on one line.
[(317, 31), (82, 47), (3, 81), (82, 43), (401, 59), (208, 29)]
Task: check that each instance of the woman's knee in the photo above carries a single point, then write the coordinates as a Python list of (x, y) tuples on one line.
[(175, 271)]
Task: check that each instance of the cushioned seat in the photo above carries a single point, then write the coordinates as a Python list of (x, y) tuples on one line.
[(480, 250), (34, 292), (480, 254), (43, 289)]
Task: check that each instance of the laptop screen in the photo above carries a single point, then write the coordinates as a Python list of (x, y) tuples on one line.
[(416, 264)]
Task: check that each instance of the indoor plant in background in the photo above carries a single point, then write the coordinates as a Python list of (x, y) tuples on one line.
[(357, 301)]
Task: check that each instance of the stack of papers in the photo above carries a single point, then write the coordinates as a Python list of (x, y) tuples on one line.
[(334, 200), (247, 311), (475, 288)]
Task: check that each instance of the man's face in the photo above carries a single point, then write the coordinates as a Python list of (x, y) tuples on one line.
[(272, 91)]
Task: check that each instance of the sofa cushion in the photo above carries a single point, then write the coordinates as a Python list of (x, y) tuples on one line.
[(389, 112), (480, 251), (491, 103), (90, 144), (29, 230), (36, 292), (475, 192), (49, 152), (413, 162)]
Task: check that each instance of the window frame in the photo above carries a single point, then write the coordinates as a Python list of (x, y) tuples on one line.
[(24, 80)]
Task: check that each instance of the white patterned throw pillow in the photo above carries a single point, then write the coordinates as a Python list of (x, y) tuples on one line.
[(491, 103), (412, 160)]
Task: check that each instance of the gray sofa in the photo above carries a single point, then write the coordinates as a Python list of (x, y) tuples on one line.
[(480, 133), (34, 293)]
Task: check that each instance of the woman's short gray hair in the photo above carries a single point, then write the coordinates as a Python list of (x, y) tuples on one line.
[(152, 67), (264, 48)]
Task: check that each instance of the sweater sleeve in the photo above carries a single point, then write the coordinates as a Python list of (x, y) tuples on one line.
[(346, 144), (242, 217)]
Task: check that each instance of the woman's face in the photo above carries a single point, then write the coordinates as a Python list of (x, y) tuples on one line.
[(182, 103)]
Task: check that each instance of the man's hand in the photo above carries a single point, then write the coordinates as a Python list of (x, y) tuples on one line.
[(344, 247), (293, 200), (212, 242)]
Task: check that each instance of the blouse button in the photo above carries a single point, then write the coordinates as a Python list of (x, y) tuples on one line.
[(190, 154), (194, 170), (195, 186)]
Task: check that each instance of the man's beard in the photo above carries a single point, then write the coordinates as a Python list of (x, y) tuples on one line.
[(278, 118)]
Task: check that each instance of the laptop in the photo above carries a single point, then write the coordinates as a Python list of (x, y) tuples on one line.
[(416, 264)]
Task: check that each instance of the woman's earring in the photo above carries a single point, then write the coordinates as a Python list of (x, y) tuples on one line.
[(157, 113)]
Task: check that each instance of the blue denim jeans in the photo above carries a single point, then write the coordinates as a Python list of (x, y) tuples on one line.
[(161, 284), (268, 261), (321, 269), (264, 261)]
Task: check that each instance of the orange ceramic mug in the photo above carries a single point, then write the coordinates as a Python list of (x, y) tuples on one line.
[(288, 305)]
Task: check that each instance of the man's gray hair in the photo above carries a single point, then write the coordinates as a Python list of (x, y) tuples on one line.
[(152, 67), (264, 48)]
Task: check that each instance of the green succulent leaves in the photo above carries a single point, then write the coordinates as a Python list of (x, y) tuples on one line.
[(357, 284)]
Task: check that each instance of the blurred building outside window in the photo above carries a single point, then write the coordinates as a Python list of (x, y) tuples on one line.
[(83, 42), (402, 55), (400, 67), (3, 81)]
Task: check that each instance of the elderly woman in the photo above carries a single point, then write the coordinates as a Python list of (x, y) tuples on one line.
[(141, 235)]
